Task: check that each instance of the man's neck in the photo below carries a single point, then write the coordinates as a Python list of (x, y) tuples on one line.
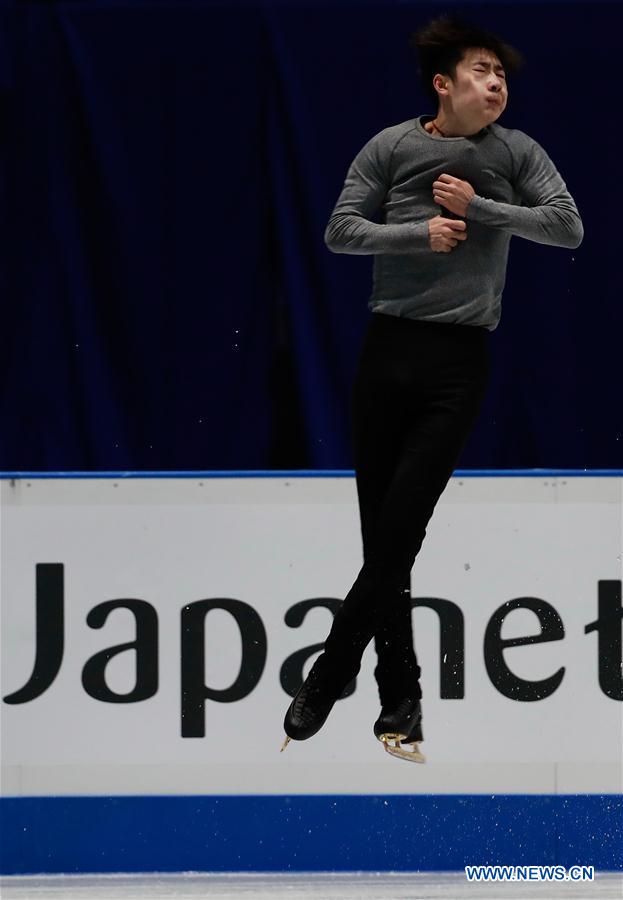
[(440, 126)]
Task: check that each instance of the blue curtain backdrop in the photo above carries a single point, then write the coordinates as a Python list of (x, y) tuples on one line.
[(167, 172)]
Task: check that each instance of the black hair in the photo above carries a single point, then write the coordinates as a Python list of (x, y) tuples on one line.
[(441, 45)]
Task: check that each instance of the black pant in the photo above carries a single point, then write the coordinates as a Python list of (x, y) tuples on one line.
[(417, 392)]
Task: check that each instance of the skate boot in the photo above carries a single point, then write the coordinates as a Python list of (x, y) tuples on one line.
[(310, 707), (401, 723)]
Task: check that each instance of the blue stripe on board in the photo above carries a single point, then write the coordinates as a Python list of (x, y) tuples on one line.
[(308, 833), (320, 473)]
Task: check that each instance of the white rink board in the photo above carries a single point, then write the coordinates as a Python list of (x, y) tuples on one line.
[(271, 543)]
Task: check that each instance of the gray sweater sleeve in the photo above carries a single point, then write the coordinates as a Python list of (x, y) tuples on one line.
[(349, 229), (547, 215)]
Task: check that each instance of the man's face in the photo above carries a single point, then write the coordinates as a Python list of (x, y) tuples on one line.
[(479, 91)]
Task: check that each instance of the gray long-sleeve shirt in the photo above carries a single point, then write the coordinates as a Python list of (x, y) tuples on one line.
[(518, 191)]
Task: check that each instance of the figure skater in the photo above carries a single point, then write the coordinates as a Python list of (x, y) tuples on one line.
[(424, 365)]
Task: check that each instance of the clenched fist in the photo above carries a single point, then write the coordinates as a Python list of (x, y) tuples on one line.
[(453, 193), (444, 234)]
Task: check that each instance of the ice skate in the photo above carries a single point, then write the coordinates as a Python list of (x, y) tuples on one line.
[(309, 709), (399, 728)]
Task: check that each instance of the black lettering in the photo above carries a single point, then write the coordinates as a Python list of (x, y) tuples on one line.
[(194, 690), (145, 646), (49, 632), (608, 628), (506, 682)]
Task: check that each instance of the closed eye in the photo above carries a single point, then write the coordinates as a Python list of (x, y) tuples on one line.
[(501, 74)]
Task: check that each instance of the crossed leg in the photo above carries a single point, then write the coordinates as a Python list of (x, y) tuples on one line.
[(408, 439)]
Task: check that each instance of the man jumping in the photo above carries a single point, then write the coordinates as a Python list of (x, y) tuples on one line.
[(451, 190)]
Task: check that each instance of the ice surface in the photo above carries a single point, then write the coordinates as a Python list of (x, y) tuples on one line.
[(299, 886)]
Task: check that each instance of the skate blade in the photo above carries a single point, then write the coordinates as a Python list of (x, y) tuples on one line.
[(285, 743), (393, 746)]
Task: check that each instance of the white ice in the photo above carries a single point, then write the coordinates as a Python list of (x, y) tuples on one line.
[(299, 886)]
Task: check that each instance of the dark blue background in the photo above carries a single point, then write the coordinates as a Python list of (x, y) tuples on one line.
[(167, 173)]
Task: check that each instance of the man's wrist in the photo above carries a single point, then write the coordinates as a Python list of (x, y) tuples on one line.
[(475, 205)]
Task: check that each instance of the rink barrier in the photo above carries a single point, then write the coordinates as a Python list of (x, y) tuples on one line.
[(309, 833), (315, 473), (330, 832)]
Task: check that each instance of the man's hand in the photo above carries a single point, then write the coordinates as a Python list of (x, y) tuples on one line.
[(444, 234), (453, 193)]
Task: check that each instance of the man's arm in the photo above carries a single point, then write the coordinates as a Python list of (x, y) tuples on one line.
[(548, 214), (349, 229)]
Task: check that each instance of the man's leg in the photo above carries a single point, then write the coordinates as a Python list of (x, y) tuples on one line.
[(436, 376), (379, 432), (440, 417)]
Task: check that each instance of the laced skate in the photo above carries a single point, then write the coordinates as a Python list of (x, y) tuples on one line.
[(400, 725), (309, 710)]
